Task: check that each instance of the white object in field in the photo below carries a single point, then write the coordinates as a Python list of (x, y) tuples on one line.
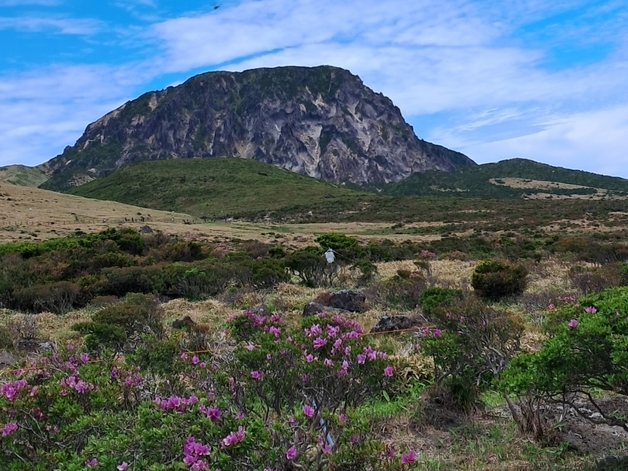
[(330, 256)]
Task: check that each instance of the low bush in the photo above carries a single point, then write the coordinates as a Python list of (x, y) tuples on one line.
[(114, 326), (57, 297), (498, 279), (311, 267), (433, 298), (470, 346), (589, 280)]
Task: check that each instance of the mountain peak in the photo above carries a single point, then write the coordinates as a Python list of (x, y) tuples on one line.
[(318, 121)]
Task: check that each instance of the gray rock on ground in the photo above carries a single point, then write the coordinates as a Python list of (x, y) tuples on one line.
[(313, 308), (391, 323), (348, 300), (7, 358)]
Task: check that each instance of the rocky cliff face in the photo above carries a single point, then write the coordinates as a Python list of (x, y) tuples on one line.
[(322, 122)]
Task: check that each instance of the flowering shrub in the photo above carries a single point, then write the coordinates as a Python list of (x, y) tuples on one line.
[(587, 352), (471, 345), (280, 398)]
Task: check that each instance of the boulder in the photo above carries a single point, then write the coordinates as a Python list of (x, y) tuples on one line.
[(348, 300), (7, 358), (312, 308), (391, 323)]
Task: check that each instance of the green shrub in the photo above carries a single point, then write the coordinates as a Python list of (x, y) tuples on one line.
[(433, 298), (497, 279), (587, 352), (268, 272), (346, 247), (114, 325), (471, 345), (56, 297), (310, 265)]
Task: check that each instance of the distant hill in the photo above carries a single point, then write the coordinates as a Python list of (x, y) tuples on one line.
[(22, 175), (514, 178), (213, 188), (317, 121)]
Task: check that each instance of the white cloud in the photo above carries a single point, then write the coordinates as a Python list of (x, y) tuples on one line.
[(42, 112), (594, 141)]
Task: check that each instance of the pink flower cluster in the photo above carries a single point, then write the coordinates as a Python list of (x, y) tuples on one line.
[(79, 386), (192, 452), (234, 437), (10, 390), (179, 404), (214, 413), (9, 428)]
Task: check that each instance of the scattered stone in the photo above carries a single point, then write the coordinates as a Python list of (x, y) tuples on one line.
[(7, 358), (146, 230), (313, 308), (391, 323), (34, 345), (260, 310), (348, 300)]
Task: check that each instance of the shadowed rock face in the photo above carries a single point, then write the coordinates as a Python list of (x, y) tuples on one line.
[(322, 122)]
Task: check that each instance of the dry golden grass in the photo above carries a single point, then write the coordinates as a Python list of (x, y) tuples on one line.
[(28, 213)]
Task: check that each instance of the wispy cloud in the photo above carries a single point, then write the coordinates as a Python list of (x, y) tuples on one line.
[(593, 141), (42, 112), (60, 25)]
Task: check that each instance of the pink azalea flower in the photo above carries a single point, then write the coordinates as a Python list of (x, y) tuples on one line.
[(258, 375), (389, 371), (308, 411), (9, 428), (409, 457), (390, 452), (591, 310), (573, 323), (91, 463), (234, 437), (122, 466), (319, 342), (291, 453)]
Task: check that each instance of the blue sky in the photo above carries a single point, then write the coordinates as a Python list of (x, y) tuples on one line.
[(494, 79)]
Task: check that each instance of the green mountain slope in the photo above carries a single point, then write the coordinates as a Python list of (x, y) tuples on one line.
[(213, 188), (22, 175), (514, 178)]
